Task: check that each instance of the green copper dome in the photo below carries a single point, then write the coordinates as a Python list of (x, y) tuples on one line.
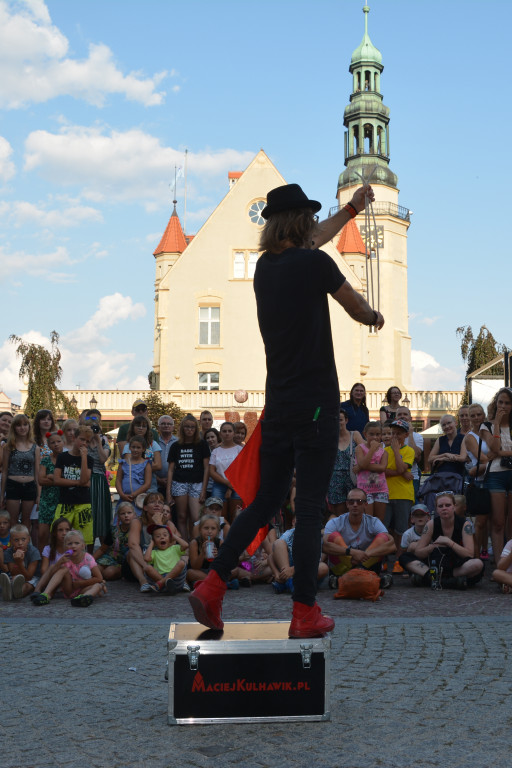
[(366, 51)]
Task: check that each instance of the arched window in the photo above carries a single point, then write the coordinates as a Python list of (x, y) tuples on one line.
[(368, 139)]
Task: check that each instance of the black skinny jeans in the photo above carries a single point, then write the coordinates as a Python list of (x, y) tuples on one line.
[(290, 439)]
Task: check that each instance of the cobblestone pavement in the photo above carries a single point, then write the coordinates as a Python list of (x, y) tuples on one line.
[(418, 679)]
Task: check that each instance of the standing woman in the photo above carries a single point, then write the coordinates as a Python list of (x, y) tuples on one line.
[(19, 472), (499, 479), (188, 475), (477, 449), (388, 412), (449, 452), (464, 419), (356, 409), (43, 423), (222, 457), (341, 482), (212, 438), (99, 450)]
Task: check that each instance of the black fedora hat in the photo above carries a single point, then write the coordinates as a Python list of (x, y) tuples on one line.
[(286, 198)]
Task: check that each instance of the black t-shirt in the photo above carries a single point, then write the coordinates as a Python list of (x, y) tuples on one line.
[(293, 313), (70, 467), (188, 461)]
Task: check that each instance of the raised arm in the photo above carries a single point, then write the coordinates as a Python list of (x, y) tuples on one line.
[(329, 228)]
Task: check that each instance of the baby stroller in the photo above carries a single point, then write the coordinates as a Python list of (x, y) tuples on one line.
[(437, 482)]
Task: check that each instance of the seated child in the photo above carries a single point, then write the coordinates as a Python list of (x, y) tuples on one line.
[(23, 562), (111, 554), (51, 554), (214, 506), (5, 539), (503, 572), (408, 560), (281, 562), (164, 569), (77, 575), (201, 558), (258, 565)]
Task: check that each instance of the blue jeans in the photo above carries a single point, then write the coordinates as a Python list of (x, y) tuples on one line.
[(290, 439)]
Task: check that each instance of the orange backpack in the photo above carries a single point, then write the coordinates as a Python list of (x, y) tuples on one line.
[(359, 583)]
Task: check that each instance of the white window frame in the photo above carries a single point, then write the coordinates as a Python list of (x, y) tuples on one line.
[(210, 323), (208, 385)]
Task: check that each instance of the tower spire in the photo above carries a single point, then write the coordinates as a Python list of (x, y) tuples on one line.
[(366, 118)]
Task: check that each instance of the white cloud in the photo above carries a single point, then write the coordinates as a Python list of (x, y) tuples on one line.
[(115, 165), (83, 359), (428, 374), (42, 265), (34, 66), (7, 167), (112, 310), (21, 213), (430, 320)]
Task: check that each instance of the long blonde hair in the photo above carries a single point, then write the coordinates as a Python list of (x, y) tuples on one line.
[(20, 418)]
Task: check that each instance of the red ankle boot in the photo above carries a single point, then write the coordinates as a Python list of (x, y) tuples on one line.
[(206, 600), (308, 621)]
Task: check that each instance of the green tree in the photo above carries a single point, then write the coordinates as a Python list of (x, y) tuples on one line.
[(157, 407), (41, 367), (477, 351)]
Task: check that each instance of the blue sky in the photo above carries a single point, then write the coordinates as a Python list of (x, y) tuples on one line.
[(98, 101)]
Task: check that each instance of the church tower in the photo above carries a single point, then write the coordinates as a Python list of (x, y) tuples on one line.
[(166, 254), (367, 152)]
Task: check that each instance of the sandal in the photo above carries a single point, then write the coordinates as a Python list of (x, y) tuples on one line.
[(506, 589), (41, 599), (82, 601)]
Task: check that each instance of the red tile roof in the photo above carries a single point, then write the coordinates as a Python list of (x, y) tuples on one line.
[(234, 174), (350, 240), (173, 240)]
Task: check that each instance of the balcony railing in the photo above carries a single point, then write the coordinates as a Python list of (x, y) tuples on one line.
[(117, 404), (382, 208)]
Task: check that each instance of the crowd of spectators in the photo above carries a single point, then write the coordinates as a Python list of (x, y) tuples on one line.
[(60, 532)]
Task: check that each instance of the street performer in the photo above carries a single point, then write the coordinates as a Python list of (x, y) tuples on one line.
[(292, 282)]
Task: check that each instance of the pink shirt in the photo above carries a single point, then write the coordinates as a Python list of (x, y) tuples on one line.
[(73, 568), (372, 482)]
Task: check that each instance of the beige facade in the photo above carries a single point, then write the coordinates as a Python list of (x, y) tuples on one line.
[(206, 330)]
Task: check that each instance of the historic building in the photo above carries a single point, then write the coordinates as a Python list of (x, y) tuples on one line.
[(206, 331)]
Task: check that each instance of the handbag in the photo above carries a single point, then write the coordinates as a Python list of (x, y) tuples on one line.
[(478, 498), (506, 462)]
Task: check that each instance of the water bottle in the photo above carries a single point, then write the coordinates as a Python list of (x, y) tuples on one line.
[(434, 575), (209, 549)]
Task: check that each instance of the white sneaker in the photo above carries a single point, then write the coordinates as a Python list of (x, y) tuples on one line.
[(17, 586), (5, 583), (146, 588)]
